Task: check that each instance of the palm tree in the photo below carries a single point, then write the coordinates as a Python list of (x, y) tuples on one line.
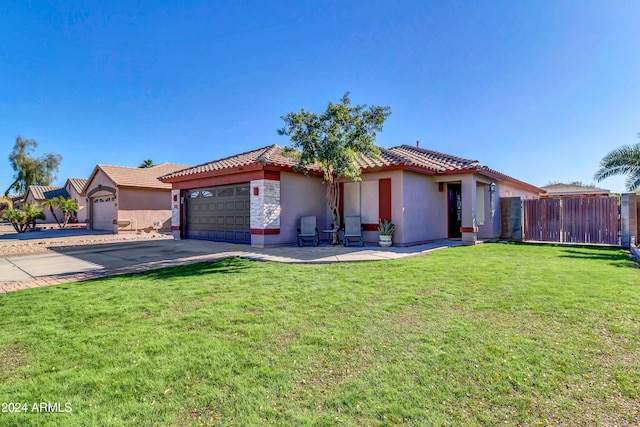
[(52, 204), (624, 160), (24, 218), (32, 213), (16, 217), (148, 163), (67, 206)]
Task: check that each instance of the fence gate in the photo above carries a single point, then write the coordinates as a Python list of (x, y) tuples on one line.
[(573, 220)]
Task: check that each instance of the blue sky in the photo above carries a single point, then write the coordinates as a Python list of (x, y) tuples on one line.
[(539, 90)]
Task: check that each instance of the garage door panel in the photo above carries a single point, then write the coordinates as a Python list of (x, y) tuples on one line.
[(103, 212), (219, 213)]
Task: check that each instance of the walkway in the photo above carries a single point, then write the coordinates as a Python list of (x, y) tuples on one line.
[(61, 265)]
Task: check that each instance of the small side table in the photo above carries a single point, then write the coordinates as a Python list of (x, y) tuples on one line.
[(333, 235)]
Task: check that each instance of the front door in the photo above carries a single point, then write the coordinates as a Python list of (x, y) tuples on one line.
[(455, 210)]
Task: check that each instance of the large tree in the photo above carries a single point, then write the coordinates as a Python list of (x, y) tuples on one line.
[(333, 141), (624, 160), (31, 170)]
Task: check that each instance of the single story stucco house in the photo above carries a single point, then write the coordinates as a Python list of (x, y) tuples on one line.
[(128, 200), (74, 187), (573, 190), (38, 194), (258, 197), (17, 200)]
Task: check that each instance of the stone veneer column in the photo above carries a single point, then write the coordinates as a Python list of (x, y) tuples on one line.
[(175, 214), (265, 206), (469, 226)]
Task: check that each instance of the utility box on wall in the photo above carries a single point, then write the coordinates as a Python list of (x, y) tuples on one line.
[(629, 219)]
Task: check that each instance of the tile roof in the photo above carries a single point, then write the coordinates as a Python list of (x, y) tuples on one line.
[(271, 155), (276, 155), (432, 162), (16, 197), (561, 188), (140, 177), (77, 184), (45, 192)]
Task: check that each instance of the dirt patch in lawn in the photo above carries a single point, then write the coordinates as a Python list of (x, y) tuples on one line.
[(12, 357)]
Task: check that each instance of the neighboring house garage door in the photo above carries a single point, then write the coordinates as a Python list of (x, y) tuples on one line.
[(219, 213), (104, 212)]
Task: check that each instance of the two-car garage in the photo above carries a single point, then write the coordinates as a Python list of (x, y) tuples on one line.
[(221, 213)]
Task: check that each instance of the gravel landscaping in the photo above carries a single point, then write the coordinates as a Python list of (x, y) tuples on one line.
[(13, 244)]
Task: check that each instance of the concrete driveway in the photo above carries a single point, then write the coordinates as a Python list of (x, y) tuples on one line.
[(60, 265)]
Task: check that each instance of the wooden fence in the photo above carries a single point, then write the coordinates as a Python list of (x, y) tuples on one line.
[(573, 220)]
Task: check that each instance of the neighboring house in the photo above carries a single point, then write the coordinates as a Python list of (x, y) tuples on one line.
[(39, 193), (257, 197), (125, 199), (11, 201), (75, 187), (17, 200), (573, 190)]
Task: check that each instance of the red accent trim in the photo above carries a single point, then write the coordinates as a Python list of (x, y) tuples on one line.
[(256, 191), (265, 231), (215, 173), (458, 172), (237, 178), (370, 227), (290, 169), (230, 177), (412, 168), (468, 229), (440, 187), (271, 174), (266, 172), (515, 182), (175, 228), (384, 199)]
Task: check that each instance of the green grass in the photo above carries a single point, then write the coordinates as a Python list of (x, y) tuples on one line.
[(498, 334)]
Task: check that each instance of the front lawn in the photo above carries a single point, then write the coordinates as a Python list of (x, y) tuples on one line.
[(498, 334)]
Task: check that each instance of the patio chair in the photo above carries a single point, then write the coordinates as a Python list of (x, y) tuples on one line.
[(308, 230), (352, 230)]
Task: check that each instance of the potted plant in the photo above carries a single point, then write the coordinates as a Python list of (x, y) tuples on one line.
[(385, 230)]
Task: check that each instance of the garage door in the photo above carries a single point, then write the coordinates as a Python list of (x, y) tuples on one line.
[(219, 213), (104, 212)]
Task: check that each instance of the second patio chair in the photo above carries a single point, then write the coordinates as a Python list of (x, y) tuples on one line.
[(352, 230)]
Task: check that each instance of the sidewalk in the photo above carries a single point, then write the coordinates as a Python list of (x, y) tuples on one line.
[(109, 259)]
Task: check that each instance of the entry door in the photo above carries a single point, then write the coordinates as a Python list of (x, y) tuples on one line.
[(455, 210)]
